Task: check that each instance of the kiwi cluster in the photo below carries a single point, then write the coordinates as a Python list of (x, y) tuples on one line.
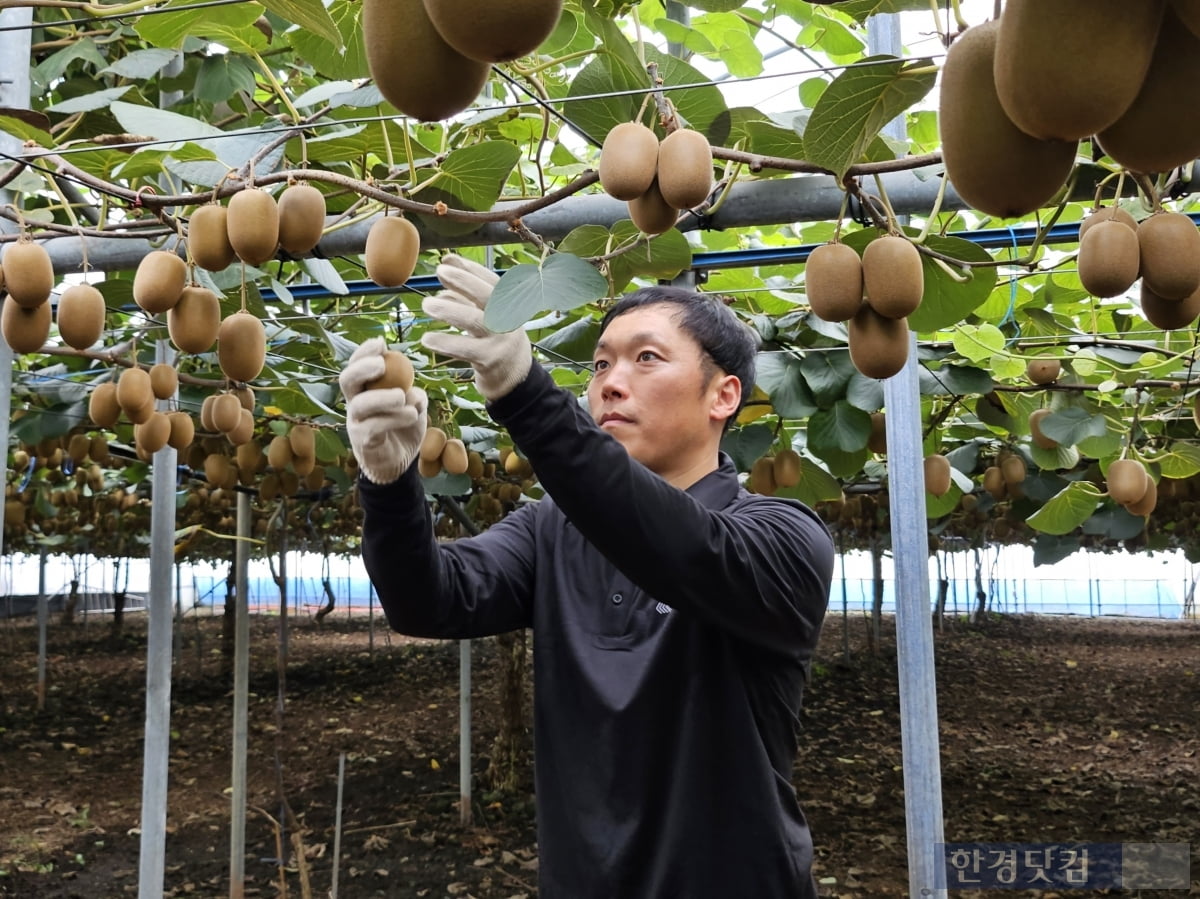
[(1020, 92), (431, 58), (255, 226), (440, 452), (655, 178), (1131, 485), (28, 279), (230, 413), (771, 472), (74, 469), (1003, 480), (134, 396)]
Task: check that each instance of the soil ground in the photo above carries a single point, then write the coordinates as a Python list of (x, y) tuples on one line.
[(1051, 729)]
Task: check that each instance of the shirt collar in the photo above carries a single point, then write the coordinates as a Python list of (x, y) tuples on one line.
[(718, 488)]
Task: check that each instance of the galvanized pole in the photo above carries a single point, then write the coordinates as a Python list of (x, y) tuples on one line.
[(910, 552), (43, 613), (241, 692)]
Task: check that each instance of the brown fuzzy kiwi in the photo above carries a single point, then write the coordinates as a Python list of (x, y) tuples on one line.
[(1043, 371), (140, 414), (208, 238), (219, 471), (787, 468), (833, 281), (429, 468), (77, 447), (1170, 315), (494, 32), (183, 430), (397, 373), (133, 389), (28, 273), (24, 329), (937, 474), (153, 433), (1035, 430), (279, 452), (1126, 480), (413, 66), (685, 168), (315, 479), (993, 482), (268, 490), (249, 456), (301, 218), (1145, 505), (226, 412), (81, 316), (243, 431), (877, 441), (762, 476), (194, 321), (432, 444), (303, 465), (1151, 136), (878, 345), (1109, 259), (1106, 214), (103, 408), (206, 413), (651, 213), (454, 456), (995, 166), (164, 380), (245, 396), (2, 276), (303, 439), (1064, 71), (1169, 245), (893, 277), (241, 346), (1012, 467), (390, 254), (253, 225), (628, 160), (159, 281)]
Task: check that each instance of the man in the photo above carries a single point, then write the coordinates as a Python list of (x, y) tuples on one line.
[(674, 614)]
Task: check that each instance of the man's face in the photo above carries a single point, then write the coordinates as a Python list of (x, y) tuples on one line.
[(653, 391)]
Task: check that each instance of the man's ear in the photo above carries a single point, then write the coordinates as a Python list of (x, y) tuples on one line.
[(727, 395)]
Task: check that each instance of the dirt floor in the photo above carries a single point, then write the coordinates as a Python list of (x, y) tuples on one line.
[(1052, 729)]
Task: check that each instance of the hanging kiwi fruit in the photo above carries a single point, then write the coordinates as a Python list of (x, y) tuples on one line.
[(494, 32), (628, 160), (253, 224), (103, 407), (685, 168), (241, 346), (878, 344), (651, 212), (208, 238), (194, 321), (301, 218), (833, 282), (397, 373), (25, 329), (80, 316), (1169, 251), (28, 273), (390, 255), (893, 277)]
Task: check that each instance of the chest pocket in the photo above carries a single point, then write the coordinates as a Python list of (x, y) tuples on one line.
[(621, 615)]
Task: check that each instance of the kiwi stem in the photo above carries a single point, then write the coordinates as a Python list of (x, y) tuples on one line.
[(892, 223), (541, 67), (637, 30), (408, 157), (278, 89)]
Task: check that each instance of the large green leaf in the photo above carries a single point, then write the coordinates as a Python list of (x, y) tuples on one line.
[(782, 377), (1180, 460), (747, 444), (828, 375), (470, 178), (858, 104), (310, 15), (946, 300), (663, 256), (839, 429), (861, 10), (1067, 510), (816, 485), (561, 282), (171, 29), (350, 61)]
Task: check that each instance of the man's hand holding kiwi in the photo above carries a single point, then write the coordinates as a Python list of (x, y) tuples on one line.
[(385, 414)]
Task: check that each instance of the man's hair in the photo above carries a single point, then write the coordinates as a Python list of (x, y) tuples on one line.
[(725, 342)]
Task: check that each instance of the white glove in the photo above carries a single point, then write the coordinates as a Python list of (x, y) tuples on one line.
[(501, 360), (386, 426)]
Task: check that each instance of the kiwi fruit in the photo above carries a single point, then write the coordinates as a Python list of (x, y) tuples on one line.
[(303, 440), (1067, 70), (494, 32), (1126, 480), (413, 66), (429, 468), (133, 388), (1012, 468), (245, 396), (25, 329), (892, 276), (81, 316), (164, 380), (77, 447), (1043, 370), (685, 168), (994, 166), (243, 431), (833, 281), (432, 444), (762, 476), (139, 414), (651, 213), (397, 373), (475, 465), (206, 413), (226, 412), (249, 456), (194, 321), (153, 433), (183, 430), (1109, 259), (28, 273), (1148, 500), (301, 218), (786, 468), (315, 479), (878, 345), (279, 452), (391, 250), (219, 471), (994, 483), (937, 474), (1106, 214), (208, 238), (628, 160), (454, 456), (241, 346), (877, 440), (253, 225), (103, 408), (1169, 246), (1170, 315), (1035, 430), (1151, 136), (159, 281)]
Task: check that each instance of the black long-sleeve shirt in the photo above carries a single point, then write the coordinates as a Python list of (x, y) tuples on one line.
[(672, 632)]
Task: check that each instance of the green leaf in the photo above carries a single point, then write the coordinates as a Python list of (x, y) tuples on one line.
[(816, 485), (782, 378), (662, 257), (351, 60), (170, 29), (947, 301), (939, 506), (978, 342), (839, 429), (828, 375), (716, 5), (1073, 425), (858, 104), (954, 380), (223, 75), (470, 178), (747, 444), (562, 282), (575, 342), (310, 15), (1067, 510), (1061, 458), (1182, 460), (141, 64), (861, 10), (89, 102)]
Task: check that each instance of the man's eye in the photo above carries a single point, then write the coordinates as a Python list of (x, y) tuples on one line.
[(647, 356), (599, 365)]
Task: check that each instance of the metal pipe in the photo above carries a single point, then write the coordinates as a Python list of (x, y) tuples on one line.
[(241, 702)]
